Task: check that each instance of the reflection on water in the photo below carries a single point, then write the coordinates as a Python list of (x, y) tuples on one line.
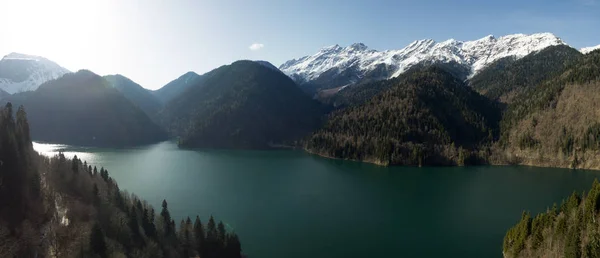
[(294, 205), (51, 149)]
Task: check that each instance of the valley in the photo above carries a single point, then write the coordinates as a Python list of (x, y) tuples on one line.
[(350, 151)]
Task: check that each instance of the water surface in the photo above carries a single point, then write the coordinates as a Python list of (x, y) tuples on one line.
[(292, 204)]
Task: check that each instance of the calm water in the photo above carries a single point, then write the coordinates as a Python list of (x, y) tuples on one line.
[(291, 204)]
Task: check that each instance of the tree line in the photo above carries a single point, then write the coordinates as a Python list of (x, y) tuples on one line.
[(61, 207)]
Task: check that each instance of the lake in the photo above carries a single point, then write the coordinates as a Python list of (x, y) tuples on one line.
[(293, 204)]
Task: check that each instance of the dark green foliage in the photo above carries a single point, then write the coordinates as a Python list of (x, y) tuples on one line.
[(176, 87), (166, 217), (508, 77), (592, 203), (242, 105), (135, 93), (573, 244), (592, 249), (591, 138), (571, 231), (411, 123), (58, 108), (97, 242), (515, 237), (199, 235), (102, 220)]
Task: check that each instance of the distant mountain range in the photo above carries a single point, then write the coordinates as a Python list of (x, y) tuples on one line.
[(336, 66), (138, 95), (450, 102), (19, 72), (83, 109)]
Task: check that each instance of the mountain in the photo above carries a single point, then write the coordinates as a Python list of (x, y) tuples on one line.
[(138, 95), (428, 117), (507, 77), (176, 87), (19, 72), (242, 105), (83, 109), (3, 94), (556, 123), (337, 66), (61, 207), (586, 50), (568, 230)]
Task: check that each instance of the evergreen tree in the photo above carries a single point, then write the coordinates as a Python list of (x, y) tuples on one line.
[(221, 234), (97, 243), (234, 248), (166, 218), (212, 243), (96, 196), (75, 165), (199, 236)]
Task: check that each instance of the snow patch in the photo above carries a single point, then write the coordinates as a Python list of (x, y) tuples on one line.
[(38, 69), (475, 54), (586, 50)]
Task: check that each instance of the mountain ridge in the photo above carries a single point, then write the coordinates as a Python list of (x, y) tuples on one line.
[(334, 60), (21, 72)]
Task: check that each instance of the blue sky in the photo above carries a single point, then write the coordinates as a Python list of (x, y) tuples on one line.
[(155, 41)]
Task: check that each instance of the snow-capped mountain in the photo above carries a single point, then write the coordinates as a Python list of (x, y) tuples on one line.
[(337, 66), (20, 72), (586, 50)]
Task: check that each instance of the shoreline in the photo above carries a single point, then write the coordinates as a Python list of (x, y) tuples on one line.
[(496, 164)]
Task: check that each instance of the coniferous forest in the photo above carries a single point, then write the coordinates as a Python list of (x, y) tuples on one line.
[(60, 207), (570, 230)]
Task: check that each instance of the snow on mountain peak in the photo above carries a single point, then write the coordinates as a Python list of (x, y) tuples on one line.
[(358, 47), (586, 50), (21, 72), (475, 55), (19, 56)]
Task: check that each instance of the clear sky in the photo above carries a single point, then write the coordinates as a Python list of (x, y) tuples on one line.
[(155, 41)]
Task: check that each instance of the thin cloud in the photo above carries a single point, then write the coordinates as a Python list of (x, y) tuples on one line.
[(588, 2), (256, 46)]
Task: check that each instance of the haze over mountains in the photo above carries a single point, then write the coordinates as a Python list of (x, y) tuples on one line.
[(20, 72), (427, 103)]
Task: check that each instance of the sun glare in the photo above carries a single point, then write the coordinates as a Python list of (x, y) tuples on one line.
[(60, 29)]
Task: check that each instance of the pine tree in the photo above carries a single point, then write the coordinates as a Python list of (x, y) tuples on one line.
[(96, 196), (75, 165), (212, 243), (199, 236), (166, 218), (221, 234), (97, 243), (234, 248)]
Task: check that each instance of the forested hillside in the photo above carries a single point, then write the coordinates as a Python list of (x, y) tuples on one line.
[(135, 93), (557, 123), (508, 77), (242, 105), (83, 109), (177, 87), (427, 117), (60, 207), (571, 230)]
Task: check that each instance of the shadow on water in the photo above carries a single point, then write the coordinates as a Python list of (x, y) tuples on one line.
[(291, 204)]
